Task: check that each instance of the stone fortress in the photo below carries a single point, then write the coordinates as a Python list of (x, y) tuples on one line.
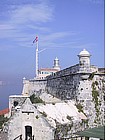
[(68, 101)]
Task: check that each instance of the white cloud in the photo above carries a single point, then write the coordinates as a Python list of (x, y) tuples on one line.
[(21, 21), (6, 27), (75, 45), (58, 35), (31, 13), (25, 20), (26, 17), (41, 28)]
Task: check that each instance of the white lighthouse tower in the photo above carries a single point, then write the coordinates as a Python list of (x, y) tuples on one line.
[(56, 64)]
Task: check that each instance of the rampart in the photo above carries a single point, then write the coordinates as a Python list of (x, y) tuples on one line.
[(64, 84)]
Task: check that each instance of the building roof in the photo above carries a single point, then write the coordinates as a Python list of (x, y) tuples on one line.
[(56, 59), (19, 96), (96, 132), (4, 111), (84, 53), (48, 69)]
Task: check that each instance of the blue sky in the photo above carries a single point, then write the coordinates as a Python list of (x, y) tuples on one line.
[(64, 27)]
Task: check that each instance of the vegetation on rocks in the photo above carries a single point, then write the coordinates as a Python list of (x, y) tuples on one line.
[(96, 83), (35, 99), (95, 96), (80, 108), (85, 122), (44, 114), (91, 76), (69, 117), (2, 120)]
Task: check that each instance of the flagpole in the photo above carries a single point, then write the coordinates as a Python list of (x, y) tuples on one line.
[(36, 58)]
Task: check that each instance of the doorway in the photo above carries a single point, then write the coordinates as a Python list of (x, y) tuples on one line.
[(28, 133)]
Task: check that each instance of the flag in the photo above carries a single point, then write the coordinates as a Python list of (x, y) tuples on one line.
[(36, 39)]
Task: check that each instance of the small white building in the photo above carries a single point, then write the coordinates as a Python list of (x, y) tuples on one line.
[(39, 122), (44, 72), (27, 123)]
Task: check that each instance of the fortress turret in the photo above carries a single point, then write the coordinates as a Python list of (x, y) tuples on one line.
[(84, 58), (56, 64)]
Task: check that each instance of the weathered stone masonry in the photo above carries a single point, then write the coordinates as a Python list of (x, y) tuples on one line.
[(73, 83), (63, 84)]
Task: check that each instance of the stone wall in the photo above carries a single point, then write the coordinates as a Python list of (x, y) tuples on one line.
[(93, 103), (33, 86), (75, 83), (67, 131), (15, 102), (63, 84), (63, 87), (3, 136)]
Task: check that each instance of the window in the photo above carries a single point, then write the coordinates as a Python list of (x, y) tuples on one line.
[(15, 103)]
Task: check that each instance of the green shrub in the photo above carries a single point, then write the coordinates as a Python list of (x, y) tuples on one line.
[(44, 114), (69, 117), (79, 107), (96, 83), (35, 99), (2, 120), (85, 121), (91, 76)]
